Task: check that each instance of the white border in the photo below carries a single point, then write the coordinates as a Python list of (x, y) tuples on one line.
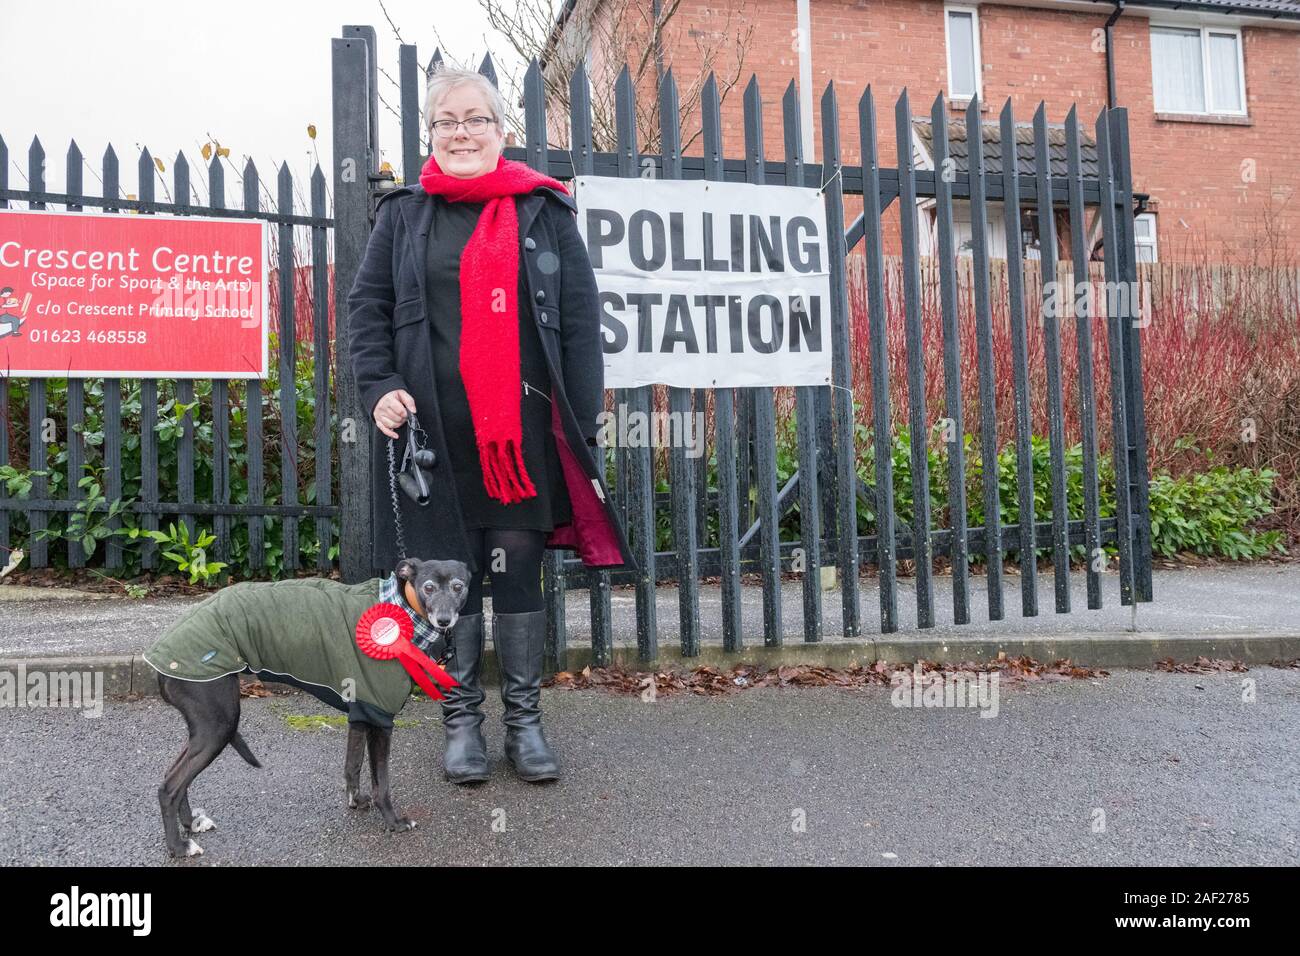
[(978, 58), (154, 217), (1206, 86)]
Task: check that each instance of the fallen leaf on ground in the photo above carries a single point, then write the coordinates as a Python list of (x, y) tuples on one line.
[(709, 680), (1202, 665)]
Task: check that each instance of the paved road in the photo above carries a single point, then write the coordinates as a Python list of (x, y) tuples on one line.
[(1185, 772), (1249, 599)]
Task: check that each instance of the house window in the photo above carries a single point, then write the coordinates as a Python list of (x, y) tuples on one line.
[(1197, 70), (962, 35), (1144, 236), (963, 230), (1029, 237)]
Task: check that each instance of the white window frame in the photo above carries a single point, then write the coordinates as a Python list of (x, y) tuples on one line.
[(977, 58), (1206, 85), (1153, 240)]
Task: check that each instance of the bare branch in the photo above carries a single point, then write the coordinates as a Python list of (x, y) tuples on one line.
[(613, 30), (396, 32)]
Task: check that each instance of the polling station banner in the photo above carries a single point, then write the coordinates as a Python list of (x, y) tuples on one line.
[(100, 295), (708, 284)]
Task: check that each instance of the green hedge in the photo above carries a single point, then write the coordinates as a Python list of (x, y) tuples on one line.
[(1211, 513)]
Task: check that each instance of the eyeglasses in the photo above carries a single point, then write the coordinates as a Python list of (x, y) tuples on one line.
[(475, 125)]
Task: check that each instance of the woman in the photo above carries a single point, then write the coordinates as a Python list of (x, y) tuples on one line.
[(475, 308)]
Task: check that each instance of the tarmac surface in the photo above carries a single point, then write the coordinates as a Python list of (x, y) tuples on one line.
[(1136, 768)]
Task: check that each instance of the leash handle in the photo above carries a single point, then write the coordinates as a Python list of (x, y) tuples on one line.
[(412, 426)]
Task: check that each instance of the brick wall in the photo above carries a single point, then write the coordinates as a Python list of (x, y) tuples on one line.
[(1218, 189)]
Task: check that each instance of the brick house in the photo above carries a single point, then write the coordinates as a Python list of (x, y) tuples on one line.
[(1208, 86)]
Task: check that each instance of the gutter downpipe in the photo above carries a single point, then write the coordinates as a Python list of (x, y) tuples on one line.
[(1140, 199), (1111, 95), (804, 24)]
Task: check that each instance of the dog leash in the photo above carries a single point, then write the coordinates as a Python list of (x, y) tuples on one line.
[(413, 426), (397, 511), (412, 449)]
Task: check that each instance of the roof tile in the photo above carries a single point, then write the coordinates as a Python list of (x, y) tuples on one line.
[(991, 135)]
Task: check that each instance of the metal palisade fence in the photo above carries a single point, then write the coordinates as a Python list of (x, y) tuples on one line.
[(827, 493), (242, 402), (749, 503), (1039, 168)]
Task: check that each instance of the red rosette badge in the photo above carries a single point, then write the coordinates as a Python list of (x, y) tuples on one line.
[(385, 632)]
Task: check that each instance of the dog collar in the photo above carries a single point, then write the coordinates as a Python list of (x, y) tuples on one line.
[(426, 637)]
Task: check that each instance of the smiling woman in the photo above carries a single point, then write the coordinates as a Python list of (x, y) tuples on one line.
[(475, 311), (464, 118)]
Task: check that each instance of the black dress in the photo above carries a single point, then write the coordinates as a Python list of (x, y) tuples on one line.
[(453, 222)]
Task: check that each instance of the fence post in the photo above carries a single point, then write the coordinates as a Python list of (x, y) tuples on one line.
[(221, 457), (38, 449), (324, 400), (984, 362), (408, 72), (763, 417), (76, 420), (1116, 343), (1020, 360), (1050, 313), (918, 420), (1134, 404), (886, 544), (353, 164), (724, 417), (956, 424), (149, 496), (639, 473), (682, 507), (1085, 310)]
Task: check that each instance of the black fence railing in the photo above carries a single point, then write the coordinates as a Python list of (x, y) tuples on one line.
[(245, 399), (1060, 175), (1039, 168)]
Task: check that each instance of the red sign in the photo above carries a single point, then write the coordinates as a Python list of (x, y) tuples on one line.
[(100, 295)]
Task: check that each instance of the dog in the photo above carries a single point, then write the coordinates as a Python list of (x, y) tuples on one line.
[(253, 625)]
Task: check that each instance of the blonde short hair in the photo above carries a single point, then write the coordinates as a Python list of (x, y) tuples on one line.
[(442, 81)]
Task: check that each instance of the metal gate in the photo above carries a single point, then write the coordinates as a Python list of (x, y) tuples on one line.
[(826, 485)]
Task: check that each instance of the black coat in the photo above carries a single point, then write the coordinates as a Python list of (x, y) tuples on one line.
[(389, 343)]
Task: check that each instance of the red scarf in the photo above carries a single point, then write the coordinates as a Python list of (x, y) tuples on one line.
[(489, 338)]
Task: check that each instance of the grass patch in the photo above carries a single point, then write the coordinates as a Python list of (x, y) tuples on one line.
[(331, 721)]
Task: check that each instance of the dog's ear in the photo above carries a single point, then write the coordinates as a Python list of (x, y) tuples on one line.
[(407, 569)]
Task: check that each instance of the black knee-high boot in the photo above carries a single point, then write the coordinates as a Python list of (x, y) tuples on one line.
[(465, 758), (519, 639)]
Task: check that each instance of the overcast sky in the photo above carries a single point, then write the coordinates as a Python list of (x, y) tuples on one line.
[(167, 75)]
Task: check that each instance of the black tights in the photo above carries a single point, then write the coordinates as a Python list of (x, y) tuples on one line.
[(513, 558)]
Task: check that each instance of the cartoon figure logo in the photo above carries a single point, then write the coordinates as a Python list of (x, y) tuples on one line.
[(12, 315)]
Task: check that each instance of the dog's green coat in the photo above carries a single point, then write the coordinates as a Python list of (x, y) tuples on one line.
[(302, 628)]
